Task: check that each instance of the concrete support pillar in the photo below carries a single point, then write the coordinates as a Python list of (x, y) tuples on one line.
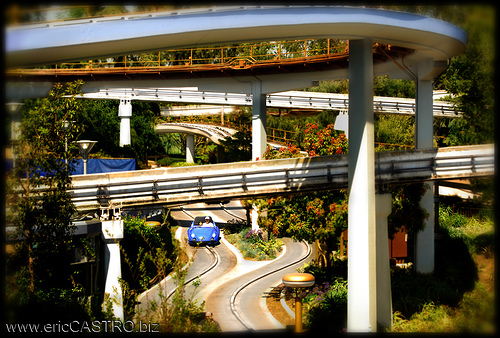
[(384, 294), (361, 273), (190, 148), (112, 233), (125, 113), (342, 123), (255, 216), (259, 121), (424, 245)]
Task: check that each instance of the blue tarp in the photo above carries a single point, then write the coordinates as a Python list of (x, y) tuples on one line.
[(95, 165), (105, 165)]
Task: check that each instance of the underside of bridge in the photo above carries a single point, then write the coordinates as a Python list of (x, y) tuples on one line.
[(381, 53)]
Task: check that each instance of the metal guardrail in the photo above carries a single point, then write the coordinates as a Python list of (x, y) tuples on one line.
[(287, 99), (252, 179)]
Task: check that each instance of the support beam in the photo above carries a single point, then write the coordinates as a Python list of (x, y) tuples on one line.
[(424, 246), (361, 274), (189, 148), (384, 294), (112, 233), (125, 113), (259, 121)]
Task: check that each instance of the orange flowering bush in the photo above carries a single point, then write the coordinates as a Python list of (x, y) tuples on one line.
[(327, 141)]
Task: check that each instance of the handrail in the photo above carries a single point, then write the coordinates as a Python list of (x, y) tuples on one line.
[(223, 55)]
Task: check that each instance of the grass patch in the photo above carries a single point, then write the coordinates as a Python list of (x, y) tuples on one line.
[(453, 299), (474, 313)]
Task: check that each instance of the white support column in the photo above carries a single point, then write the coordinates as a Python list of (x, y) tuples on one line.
[(190, 148), (384, 294), (424, 245), (361, 273), (125, 113), (255, 217), (259, 120), (112, 233)]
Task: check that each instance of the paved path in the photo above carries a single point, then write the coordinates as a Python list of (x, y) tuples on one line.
[(230, 273)]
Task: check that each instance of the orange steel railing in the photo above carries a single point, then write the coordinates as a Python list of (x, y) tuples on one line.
[(237, 55)]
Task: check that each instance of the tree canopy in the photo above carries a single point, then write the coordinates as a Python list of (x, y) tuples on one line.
[(40, 208)]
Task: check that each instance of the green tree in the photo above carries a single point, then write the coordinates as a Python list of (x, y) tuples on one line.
[(395, 130), (469, 76), (320, 215), (40, 207), (102, 124), (239, 147)]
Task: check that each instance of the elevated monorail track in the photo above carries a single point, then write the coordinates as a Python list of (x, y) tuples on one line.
[(288, 99)]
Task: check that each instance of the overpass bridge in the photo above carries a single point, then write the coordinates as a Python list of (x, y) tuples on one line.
[(169, 186)]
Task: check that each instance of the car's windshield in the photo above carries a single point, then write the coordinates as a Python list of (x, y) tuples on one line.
[(202, 221)]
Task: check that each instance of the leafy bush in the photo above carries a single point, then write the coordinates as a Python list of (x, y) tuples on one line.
[(475, 313), (255, 244), (477, 235), (325, 307), (171, 161), (234, 226), (323, 274), (411, 290)]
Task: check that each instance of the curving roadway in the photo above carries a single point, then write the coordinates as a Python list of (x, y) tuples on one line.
[(233, 289)]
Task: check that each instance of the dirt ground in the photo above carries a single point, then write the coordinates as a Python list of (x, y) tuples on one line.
[(274, 305)]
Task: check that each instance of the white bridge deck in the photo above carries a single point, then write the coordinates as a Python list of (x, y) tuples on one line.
[(251, 179)]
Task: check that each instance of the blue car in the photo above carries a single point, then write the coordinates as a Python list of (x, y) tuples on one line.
[(203, 230)]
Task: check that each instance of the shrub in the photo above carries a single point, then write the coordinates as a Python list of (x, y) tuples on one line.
[(326, 307), (255, 244), (147, 257)]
